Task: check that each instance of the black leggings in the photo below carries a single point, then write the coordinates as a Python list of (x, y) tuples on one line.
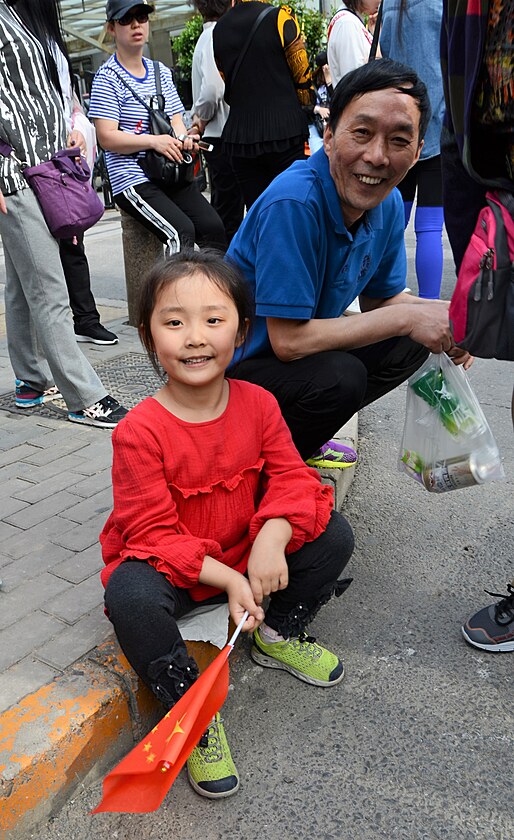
[(425, 179), (318, 394), (179, 217), (144, 606)]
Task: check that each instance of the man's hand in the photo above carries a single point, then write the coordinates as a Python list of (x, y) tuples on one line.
[(3, 205), (429, 326)]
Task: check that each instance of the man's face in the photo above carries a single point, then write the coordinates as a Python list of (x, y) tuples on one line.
[(374, 145)]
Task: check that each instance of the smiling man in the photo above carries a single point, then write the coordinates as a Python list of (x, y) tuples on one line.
[(329, 229)]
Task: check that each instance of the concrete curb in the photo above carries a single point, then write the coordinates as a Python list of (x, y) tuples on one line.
[(73, 730)]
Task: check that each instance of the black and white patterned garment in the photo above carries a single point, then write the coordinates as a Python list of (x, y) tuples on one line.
[(31, 113)]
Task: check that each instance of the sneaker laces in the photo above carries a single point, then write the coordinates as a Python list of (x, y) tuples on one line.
[(504, 610), (102, 408), (210, 743), (306, 645)]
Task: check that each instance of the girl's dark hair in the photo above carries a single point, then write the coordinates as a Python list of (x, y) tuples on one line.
[(43, 19), (378, 75), (224, 274)]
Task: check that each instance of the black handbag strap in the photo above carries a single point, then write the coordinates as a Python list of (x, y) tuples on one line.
[(131, 89), (257, 22), (376, 34), (158, 88)]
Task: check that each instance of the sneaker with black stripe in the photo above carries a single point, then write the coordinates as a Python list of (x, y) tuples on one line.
[(105, 414)]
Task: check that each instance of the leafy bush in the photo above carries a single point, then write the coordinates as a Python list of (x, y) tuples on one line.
[(183, 45), (313, 25)]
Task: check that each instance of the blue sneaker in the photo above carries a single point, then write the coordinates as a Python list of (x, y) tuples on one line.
[(28, 397)]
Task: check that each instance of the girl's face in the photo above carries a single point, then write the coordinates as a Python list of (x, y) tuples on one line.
[(195, 330)]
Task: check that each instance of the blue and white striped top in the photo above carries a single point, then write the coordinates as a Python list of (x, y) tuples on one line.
[(111, 100)]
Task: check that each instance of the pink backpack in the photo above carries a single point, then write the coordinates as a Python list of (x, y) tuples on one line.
[(482, 304)]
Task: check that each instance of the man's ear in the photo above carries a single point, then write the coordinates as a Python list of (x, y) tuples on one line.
[(328, 139), (418, 153)]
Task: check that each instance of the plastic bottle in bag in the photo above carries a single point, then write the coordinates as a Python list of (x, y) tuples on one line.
[(455, 414)]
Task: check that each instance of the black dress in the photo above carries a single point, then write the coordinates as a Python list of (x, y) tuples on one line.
[(266, 129)]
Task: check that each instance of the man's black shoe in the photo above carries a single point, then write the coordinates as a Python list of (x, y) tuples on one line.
[(96, 334)]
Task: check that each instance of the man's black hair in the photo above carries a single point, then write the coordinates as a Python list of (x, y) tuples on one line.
[(378, 75), (212, 9)]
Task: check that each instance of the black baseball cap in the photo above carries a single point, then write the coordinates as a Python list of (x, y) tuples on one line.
[(116, 9)]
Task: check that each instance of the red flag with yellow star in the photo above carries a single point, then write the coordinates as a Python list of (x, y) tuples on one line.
[(142, 779)]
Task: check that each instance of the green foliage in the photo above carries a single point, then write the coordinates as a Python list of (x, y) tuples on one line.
[(313, 25), (183, 45)]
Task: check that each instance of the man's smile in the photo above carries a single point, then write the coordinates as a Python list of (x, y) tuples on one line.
[(367, 179)]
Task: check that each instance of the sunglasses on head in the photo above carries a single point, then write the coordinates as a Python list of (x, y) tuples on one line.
[(141, 17)]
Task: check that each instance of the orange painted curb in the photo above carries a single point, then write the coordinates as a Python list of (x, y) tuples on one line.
[(79, 725)]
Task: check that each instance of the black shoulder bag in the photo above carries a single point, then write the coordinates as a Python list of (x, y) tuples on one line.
[(158, 168)]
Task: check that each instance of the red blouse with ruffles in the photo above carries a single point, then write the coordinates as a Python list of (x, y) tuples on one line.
[(183, 490)]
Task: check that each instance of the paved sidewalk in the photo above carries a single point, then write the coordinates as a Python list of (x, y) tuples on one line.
[(69, 705)]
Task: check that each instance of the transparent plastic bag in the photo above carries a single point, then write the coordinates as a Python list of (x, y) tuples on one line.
[(447, 443)]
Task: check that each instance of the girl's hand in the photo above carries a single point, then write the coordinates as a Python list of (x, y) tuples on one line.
[(240, 599), (3, 206), (267, 571), (267, 565)]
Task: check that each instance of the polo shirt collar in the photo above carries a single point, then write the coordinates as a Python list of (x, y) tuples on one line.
[(373, 219)]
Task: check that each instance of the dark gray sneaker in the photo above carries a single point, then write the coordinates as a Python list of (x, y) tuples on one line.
[(105, 414), (96, 334), (492, 628)]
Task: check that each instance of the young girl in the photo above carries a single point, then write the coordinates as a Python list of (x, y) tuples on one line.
[(212, 502)]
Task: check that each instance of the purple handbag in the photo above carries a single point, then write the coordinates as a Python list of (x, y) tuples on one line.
[(64, 192)]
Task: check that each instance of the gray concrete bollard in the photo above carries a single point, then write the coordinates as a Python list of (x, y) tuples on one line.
[(141, 249)]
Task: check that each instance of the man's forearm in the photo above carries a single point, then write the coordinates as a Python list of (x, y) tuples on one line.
[(422, 320), (296, 339)]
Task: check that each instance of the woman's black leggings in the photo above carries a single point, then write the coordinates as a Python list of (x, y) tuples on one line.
[(144, 607), (179, 217)]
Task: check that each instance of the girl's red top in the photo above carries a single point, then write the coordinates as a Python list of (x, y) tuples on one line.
[(183, 490)]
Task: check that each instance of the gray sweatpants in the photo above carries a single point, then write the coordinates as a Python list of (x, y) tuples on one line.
[(40, 335)]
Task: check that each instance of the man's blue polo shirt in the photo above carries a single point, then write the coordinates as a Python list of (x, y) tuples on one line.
[(301, 261)]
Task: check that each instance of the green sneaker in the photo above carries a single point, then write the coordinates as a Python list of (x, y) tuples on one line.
[(210, 768), (302, 657)]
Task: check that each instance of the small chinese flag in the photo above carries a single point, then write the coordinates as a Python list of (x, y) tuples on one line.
[(142, 779)]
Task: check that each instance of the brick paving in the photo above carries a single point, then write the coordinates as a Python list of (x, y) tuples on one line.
[(55, 494)]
